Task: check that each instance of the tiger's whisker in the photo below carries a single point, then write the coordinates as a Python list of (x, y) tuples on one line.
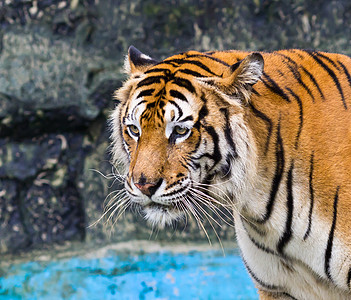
[(182, 208), (116, 173), (107, 211), (120, 204), (208, 188), (205, 213), (212, 200), (108, 176), (197, 218), (118, 194), (208, 217), (216, 210), (121, 212)]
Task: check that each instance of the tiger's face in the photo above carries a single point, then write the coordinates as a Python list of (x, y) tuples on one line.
[(180, 128)]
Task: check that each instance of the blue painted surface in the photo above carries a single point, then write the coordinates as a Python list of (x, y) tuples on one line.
[(162, 275)]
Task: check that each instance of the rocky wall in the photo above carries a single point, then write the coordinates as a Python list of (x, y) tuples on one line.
[(60, 62)]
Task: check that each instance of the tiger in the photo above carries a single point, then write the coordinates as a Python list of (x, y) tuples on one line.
[(272, 131)]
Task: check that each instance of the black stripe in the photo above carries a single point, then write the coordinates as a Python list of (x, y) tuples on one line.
[(299, 102), (135, 107), (289, 59), (346, 72), (194, 165), (268, 121), (168, 62), (257, 244), (288, 295), (273, 86), (188, 118), (331, 74), (216, 156), (176, 94), (157, 70), (281, 73), (255, 92), (348, 280), (285, 238), (190, 72), (209, 57), (145, 93), (293, 67), (326, 58), (228, 133), (297, 76), (328, 251), (259, 281), (298, 54), (254, 227), (190, 62), (235, 66), (184, 165), (226, 169), (279, 153), (310, 183), (185, 83), (175, 192), (314, 81), (124, 109), (261, 247), (150, 80), (167, 73), (203, 112), (178, 107), (197, 145)]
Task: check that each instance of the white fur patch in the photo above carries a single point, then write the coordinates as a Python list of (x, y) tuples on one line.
[(144, 56), (126, 65), (160, 217)]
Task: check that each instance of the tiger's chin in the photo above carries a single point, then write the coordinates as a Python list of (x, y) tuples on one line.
[(158, 215)]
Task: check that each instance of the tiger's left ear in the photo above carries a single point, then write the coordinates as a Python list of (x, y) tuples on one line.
[(137, 62), (238, 79)]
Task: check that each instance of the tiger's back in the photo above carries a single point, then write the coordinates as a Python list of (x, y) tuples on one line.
[(283, 143)]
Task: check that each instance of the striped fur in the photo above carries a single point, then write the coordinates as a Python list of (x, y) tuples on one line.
[(276, 138)]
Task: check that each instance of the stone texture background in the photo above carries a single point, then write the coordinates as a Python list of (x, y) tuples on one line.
[(60, 62)]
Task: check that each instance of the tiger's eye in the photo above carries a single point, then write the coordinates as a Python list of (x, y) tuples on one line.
[(133, 130), (180, 130)]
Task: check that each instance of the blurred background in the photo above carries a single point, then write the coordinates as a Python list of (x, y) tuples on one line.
[(60, 62)]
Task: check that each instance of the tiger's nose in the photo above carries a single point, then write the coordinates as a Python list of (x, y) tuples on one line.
[(148, 188)]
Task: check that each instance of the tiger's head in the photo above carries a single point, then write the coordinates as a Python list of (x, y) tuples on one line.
[(179, 130)]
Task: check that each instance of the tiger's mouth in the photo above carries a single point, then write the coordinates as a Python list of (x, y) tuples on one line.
[(164, 207), (160, 215)]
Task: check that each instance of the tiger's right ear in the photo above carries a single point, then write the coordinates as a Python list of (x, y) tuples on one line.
[(137, 62), (238, 79)]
